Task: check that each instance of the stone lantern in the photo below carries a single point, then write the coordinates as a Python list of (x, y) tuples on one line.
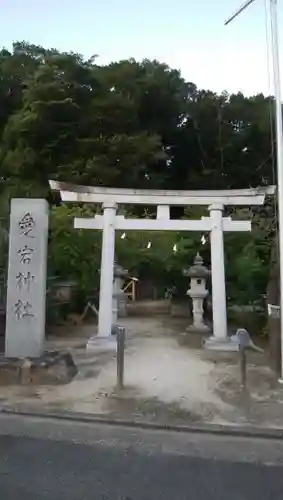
[(119, 298), (198, 275)]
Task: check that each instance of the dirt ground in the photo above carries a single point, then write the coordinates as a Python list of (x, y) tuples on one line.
[(169, 378)]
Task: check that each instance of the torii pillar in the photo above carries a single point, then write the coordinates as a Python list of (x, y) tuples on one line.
[(107, 269), (219, 303)]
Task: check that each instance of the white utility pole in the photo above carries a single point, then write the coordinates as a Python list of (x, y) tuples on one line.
[(279, 138)]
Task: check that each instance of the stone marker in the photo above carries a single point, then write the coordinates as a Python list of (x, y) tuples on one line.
[(26, 287)]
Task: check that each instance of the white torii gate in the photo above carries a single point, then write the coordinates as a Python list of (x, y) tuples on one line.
[(216, 224)]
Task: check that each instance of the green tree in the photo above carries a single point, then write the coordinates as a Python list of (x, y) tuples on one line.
[(137, 125)]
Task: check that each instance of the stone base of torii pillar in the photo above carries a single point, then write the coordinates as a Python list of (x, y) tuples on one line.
[(215, 344), (102, 344)]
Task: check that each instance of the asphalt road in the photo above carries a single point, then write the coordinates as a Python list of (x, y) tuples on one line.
[(45, 459)]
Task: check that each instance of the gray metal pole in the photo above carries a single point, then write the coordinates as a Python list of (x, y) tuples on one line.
[(243, 366), (279, 148), (120, 357)]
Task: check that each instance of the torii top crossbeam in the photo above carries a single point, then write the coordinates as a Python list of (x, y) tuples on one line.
[(87, 194)]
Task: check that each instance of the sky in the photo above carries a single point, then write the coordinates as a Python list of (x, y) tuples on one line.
[(188, 35)]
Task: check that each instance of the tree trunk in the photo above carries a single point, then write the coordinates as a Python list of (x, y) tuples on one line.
[(273, 297)]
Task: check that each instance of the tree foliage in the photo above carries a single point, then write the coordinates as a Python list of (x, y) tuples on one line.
[(131, 124)]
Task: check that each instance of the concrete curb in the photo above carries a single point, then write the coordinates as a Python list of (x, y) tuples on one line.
[(250, 431)]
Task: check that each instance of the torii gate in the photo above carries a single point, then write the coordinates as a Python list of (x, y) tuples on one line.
[(216, 224)]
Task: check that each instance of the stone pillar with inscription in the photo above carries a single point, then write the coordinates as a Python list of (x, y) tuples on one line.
[(26, 287)]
